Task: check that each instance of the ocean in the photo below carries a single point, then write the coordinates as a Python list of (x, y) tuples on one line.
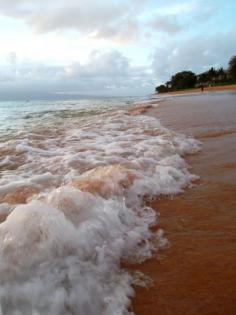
[(74, 177)]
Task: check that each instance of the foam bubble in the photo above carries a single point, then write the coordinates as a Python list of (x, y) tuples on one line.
[(64, 252), (72, 210)]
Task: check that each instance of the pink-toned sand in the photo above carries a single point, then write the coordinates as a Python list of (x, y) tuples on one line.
[(230, 87), (196, 275)]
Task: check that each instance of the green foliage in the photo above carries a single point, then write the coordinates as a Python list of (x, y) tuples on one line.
[(187, 79), (212, 76), (183, 80), (161, 89), (232, 68), (212, 73)]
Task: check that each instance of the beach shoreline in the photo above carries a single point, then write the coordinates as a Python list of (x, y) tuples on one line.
[(73, 193), (196, 273), (230, 87)]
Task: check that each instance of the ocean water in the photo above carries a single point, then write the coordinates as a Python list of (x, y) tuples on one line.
[(73, 177)]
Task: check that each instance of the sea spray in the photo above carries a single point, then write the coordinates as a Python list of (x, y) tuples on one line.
[(72, 210)]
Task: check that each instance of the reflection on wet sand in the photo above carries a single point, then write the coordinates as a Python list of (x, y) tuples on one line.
[(196, 274)]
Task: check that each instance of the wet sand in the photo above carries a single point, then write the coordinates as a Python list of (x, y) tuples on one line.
[(197, 273), (230, 87)]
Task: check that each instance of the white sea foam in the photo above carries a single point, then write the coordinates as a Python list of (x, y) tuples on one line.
[(73, 210)]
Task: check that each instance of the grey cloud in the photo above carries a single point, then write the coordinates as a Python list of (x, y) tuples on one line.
[(108, 64), (205, 13), (166, 23), (176, 18), (196, 54), (109, 73), (106, 73), (102, 19), (119, 21), (82, 17)]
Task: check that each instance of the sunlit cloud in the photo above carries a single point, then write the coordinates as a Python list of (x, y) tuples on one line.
[(119, 47)]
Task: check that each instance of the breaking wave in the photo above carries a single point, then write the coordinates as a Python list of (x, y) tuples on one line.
[(72, 209)]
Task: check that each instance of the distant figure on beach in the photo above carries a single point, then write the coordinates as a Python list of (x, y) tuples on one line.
[(202, 87)]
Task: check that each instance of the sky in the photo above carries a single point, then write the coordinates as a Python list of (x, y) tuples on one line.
[(65, 48)]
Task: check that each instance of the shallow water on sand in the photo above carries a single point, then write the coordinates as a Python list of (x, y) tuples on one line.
[(196, 274), (73, 179)]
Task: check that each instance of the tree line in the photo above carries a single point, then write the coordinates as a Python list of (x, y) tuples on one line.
[(187, 79)]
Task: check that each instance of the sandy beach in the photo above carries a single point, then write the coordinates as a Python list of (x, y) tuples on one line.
[(230, 87), (72, 213), (196, 273)]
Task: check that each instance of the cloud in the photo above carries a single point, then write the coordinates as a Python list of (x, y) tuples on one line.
[(175, 18), (193, 42), (106, 73), (120, 21), (197, 54), (166, 23), (114, 20), (12, 58), (179, 8)]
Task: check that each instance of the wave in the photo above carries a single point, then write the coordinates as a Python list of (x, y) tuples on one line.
[(72, 210)]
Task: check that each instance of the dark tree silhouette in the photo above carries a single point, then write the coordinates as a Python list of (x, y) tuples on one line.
[(161, 89), (187, 79), (232, 68), (183, 80)]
